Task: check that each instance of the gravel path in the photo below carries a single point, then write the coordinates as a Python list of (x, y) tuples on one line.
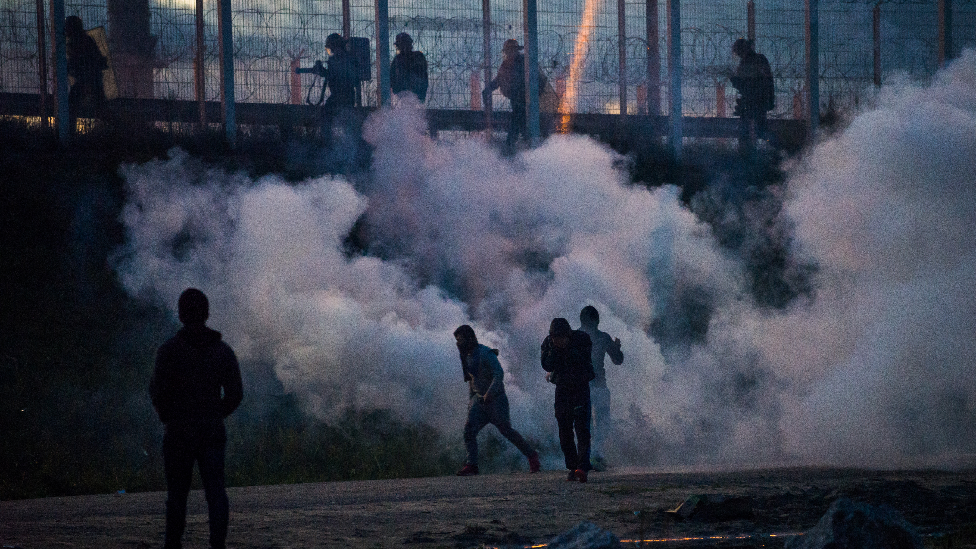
[(496, 510)]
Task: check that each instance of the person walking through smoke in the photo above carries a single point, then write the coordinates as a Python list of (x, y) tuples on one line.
[(408, 71), (487, 401), (566, 356), (195, 385), (510, 79), (753, 79), (85, 66), (603, 345)]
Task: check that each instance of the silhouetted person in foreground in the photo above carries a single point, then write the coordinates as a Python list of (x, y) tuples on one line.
[(85, 66), (566, 355), (603, 345), (510, 79), (487, 402), (753, 79), (408, 71), (195, 385)]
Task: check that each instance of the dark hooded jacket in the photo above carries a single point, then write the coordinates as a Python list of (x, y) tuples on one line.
[(197, 378), (571, 368)]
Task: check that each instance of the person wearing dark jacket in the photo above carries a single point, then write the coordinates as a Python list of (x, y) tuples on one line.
[(408, 71), (753, 79), (487, 402), (566, 356), (510, 80), (340, 74), (85, 66), (195, 385)]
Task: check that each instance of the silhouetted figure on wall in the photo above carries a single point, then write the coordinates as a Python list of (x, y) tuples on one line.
[(408, 71), (510, 80), (753, 79), (487, 402), (603, 345), (195, 385), (85, 66), (566, 355), (341, 74)]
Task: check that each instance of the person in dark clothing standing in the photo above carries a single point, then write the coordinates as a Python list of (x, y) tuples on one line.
[(487, 402), (85, 66), (566, 355), (510, 79), (753, 79), (195, 385), (408, 71), (603, 345)]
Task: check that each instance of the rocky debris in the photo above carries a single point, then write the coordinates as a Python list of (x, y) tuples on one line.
[(853, 525), (585, 535), (713, 508)]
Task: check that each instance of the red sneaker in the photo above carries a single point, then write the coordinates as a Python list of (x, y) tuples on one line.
[(468, 470), (534, 465), (581, 475)]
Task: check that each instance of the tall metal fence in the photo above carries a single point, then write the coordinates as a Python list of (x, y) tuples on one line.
[(579, 45)]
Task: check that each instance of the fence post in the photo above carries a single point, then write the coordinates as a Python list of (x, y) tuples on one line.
[(622, 54), (199, 72), (41, 63), (474, 84), (720, 110), (751, 21), (227, 71), (813, 68), (62, 118), (877, 43), (945, 32), (674, 69), (383, 52), (486, 50), (653, 59), (532, 71)]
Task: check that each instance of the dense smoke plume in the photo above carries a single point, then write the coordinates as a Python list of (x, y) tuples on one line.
[(873, 367)]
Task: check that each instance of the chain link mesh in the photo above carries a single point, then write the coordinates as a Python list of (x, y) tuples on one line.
[(272, 37)]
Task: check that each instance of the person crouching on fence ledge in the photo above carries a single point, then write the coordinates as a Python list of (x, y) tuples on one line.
[(566, 356), (487, 402)]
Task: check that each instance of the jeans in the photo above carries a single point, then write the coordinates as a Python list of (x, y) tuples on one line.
[(182, 446), (600, 400), (574, 418), (496, 413)]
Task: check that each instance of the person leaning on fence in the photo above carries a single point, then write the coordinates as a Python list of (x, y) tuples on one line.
[(195, 385), (408, 71), (487, 402), (85, 66), (510, 80), (753, 79)]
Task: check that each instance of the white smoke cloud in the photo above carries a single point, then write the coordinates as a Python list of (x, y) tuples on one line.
[(872, 369), (887, 209)]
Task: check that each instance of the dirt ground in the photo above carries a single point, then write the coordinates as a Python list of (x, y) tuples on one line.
[(506, 510)]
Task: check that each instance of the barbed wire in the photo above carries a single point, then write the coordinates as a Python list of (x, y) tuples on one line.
[(269, 36)]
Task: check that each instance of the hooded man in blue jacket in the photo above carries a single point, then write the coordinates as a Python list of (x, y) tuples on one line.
[(195, 385), (487, 402)]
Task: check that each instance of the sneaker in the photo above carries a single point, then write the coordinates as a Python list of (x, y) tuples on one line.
[(580, 475), (468, 470), (572, 476), (534, 465)]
